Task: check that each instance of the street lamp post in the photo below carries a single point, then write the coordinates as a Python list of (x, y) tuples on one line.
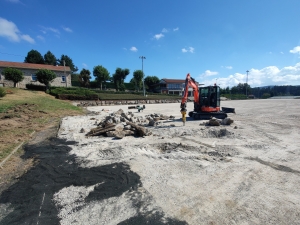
[(247, 83), (143, 57)]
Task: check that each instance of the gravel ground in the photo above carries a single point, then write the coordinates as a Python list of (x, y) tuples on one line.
[(245, 173)]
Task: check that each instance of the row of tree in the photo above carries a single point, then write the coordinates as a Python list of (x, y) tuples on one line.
[(102, 76), (262, 92), (44, 76), (100, 73), (49, 58)]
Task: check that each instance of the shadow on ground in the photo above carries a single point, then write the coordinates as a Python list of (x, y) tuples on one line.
[(30, 199)]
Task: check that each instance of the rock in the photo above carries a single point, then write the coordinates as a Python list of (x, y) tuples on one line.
[(151, 123), (227, 121), (214, 122), (82, 130)]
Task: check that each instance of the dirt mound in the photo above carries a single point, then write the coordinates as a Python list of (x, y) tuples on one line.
[(218, 133)]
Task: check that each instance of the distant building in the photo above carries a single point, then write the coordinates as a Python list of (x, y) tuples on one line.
[(174, 86), (63, 74)]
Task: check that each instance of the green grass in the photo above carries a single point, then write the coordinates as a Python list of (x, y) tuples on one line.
[(47, 110)]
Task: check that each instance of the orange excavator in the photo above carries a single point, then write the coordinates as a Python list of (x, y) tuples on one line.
[(206, 101)]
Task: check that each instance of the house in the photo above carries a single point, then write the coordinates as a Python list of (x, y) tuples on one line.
[(174, 86), (63, 74)]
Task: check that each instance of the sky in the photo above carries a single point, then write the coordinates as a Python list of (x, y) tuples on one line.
[(216, 41)]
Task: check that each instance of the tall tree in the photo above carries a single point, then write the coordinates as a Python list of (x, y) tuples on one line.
[(151, 81), (45, 76), (34, 56), (138, 77), (118, 78), (101, 74), (13, 75), (50, 59), (68, 62), (84, 78)]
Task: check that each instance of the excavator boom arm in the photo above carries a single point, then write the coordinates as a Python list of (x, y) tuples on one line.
[(189, 82)]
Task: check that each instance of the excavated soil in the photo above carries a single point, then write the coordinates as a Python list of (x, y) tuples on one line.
[(245, 173)]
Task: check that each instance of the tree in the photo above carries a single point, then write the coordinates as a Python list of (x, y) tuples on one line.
[(68, 62), (34, 56), (45, 76), (118, 78), (138, 78), (50, 59), (13, 75), (151, 82), (101, 74), (84, 78)]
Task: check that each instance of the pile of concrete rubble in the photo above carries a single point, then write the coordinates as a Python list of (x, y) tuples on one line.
[(120, 124)]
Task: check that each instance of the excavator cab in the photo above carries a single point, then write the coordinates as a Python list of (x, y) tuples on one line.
[(209, 97)]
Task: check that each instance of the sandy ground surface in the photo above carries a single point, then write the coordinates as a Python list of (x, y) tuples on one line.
[(245, 173)]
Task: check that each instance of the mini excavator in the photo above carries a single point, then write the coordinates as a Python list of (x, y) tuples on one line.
[(206, 102)]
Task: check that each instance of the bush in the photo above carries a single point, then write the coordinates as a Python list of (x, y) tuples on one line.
[(2, 92), (73, 93), (35, 87), (77, 97)]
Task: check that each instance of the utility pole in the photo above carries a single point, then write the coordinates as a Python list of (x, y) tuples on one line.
[(143, 57), (247, 83)]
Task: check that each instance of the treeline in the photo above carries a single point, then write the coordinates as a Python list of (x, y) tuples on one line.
[(103, 79), (242, 91)]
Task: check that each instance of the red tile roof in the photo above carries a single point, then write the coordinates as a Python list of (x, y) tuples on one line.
[(174, 81), (33, 66)]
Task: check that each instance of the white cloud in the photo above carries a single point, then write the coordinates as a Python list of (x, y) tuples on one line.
[(295, 50), (14, 1), (10, 31), (40, 37), (281, 53), (67, 29), (134, 49), (27, 38), (271, 75), (158, 36), (46, 29), (176, 29), (228, 67), (164, 30), (208, 73), (189, 49), (125, 49), (84, 65)]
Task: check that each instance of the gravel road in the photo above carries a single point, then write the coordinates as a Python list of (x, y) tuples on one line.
[(245, 173)]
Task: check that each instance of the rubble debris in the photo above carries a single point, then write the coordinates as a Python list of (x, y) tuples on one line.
[(227, 121), (120, 124), (82, 130), (217, 122)]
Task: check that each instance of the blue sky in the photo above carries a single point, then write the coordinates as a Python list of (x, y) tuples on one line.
[(213, 40)]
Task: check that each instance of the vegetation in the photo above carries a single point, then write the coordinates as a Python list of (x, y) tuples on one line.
[(137, 79), (14, 75), (45, 76), (67, 61), (2, 92), (239, 91), (34, 56), (84, 78), (151, 82), (50, 59), (118, 78), (43, 110), (101, 74)]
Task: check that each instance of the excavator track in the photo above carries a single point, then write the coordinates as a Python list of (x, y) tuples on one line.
[(207, 115)]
